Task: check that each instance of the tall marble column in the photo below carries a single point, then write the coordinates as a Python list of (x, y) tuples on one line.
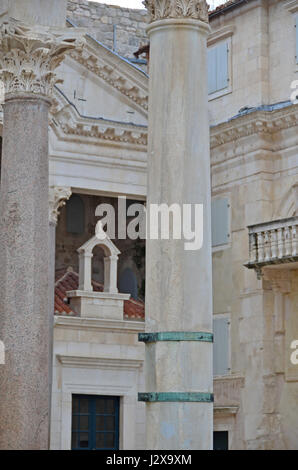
[(28, 57), (178, 338)]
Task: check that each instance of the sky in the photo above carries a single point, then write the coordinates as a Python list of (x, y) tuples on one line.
[(138, 3)]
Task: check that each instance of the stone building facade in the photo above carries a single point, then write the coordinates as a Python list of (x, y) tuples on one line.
[(98, 151)]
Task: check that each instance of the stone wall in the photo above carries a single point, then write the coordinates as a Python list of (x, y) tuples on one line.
[(120, 29)]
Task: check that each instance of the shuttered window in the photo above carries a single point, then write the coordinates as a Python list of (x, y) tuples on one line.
[(220, 221), (218, 69), (221, 349)]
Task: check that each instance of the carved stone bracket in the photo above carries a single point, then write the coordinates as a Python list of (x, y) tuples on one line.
[(58, 196), (163, 9), (29, 56)]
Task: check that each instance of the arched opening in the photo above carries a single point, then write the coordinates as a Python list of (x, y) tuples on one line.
[(110, 259), (128, 283), (75, 215), (97, 273)]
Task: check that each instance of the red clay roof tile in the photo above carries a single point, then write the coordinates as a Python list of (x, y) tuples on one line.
[(133, 309)]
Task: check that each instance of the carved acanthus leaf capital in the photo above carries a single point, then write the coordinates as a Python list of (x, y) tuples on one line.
[(29, 56), (58, 195), (162, 9)]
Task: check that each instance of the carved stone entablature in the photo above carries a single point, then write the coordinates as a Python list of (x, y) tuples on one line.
[(29, 56), (76, 127), (258, 122), (162, 9), (58, 195), (112, 75)]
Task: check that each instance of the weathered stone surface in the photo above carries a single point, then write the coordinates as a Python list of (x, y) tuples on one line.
[(178, 282), (122, 23), (25, 324), (41, 12)]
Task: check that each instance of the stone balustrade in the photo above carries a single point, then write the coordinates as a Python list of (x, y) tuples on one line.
[(273, 243)]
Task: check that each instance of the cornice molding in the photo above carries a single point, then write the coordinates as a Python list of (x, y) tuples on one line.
[(181, 9), (225, 411), (29, 56), (258, 122), (108, 363), (221, 34), (67, 122), (132, 84), (99, 324)]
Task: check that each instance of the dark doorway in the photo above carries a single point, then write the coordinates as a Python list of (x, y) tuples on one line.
[(221, 440)]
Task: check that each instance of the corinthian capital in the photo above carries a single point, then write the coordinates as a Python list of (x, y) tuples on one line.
[(161, 9), (29, 56), (58, 195)]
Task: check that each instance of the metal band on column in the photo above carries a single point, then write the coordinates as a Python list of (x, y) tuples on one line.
[(201, 397), (176, 336)]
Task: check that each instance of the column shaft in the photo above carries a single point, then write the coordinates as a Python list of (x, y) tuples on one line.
[(24, 276), (179, 282)]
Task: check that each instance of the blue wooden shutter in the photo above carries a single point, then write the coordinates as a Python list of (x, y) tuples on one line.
[(222, 66), (218, 70), (220, 221), (212, 54), (221, 345)]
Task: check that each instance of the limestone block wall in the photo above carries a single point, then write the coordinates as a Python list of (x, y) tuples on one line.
[(262, 56), (282, 51), (97, 357), (121, 29), (257, 171)]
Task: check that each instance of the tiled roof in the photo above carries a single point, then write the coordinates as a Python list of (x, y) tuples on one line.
[(223, 5), (133, 309)]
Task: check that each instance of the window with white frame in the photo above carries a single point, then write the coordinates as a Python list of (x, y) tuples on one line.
[(218, 68), (221, 347)]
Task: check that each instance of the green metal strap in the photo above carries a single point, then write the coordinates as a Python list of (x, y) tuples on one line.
[(201, 397), (176, 336)]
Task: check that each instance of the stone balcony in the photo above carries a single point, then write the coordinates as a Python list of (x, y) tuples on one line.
[(273, 243)]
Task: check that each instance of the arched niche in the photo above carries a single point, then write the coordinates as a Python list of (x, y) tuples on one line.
[(75, 215), (111, 253)]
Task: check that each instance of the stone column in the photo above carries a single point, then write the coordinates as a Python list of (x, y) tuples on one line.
[(110, 274), (85, 268), (28, 57), (178, 359), (58, 195)]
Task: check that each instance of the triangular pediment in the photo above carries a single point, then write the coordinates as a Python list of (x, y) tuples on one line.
[(101, 84)]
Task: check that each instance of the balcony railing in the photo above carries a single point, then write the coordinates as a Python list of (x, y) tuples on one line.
[(273, 243)]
